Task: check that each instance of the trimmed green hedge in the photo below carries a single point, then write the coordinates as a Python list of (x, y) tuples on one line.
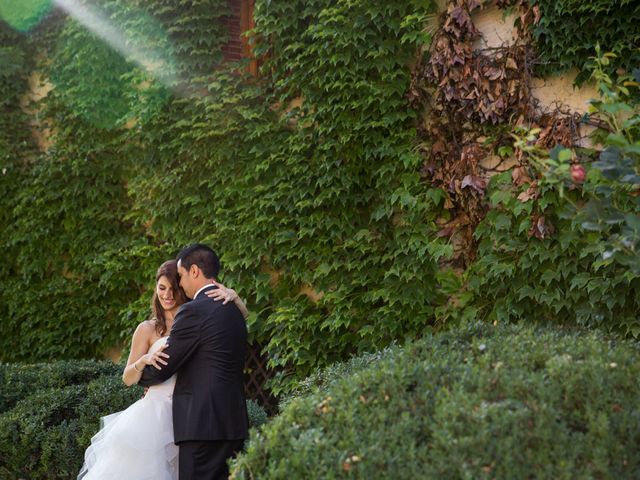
[(50, 412), (479, 402), (322, 379), (19, 381)]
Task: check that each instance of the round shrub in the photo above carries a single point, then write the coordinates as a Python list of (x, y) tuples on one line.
[(479, 402), (323, 378)]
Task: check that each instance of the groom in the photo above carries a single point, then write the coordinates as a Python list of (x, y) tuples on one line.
[(206, 347)]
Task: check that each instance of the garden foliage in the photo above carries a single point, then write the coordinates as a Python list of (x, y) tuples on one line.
[(49, 412), (18, 381), (568, 32), (306, 180), (477, 402), (561, 241), (66, 272)]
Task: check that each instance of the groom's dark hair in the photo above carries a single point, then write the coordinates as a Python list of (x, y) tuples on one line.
[(202, 256)]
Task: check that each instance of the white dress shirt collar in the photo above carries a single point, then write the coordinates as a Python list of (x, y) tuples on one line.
[(202, 288)]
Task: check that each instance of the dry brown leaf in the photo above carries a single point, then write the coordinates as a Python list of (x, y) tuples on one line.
[(479, 184), (540, 227), (519, 176)]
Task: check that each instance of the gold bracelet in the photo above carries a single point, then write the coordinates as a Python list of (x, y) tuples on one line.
[(136, 368)]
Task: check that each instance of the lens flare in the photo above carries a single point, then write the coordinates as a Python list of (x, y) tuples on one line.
[(23, 15), (127, 43), (132, 72)]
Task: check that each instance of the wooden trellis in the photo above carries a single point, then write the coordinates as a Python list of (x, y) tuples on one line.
[(256, 374)]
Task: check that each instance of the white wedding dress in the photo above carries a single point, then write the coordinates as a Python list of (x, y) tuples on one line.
[(136, 443)]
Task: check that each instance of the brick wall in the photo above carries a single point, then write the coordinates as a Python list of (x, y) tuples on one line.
[(233, 49)]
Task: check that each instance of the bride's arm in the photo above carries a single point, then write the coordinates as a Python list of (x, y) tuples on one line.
[(138, 357), (228, 295), (241, 306)]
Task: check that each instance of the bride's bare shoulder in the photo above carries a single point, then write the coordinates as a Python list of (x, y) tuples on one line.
[(146, 329), (142, 339)]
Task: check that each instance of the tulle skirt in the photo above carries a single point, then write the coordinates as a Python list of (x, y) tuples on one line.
[(135, 444)]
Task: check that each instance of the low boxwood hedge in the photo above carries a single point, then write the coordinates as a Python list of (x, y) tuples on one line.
[(54, 410), (478, 402), (18, 381)]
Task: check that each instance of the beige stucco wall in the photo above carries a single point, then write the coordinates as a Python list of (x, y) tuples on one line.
[(560, 90), (498, 30), (39, 88)]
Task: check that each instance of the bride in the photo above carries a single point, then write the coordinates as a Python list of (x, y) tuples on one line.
[(137, 443)]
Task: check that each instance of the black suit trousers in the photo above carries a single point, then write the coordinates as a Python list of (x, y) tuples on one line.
[(207, 460)]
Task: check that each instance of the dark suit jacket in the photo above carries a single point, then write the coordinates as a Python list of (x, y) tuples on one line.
[(206, 347)]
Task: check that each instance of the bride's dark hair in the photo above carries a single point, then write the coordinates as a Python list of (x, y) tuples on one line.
[(168, 269)]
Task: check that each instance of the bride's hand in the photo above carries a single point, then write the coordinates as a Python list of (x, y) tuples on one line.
[(222, 293), (156, 357)]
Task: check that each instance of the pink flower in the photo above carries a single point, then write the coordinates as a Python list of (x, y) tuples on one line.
[(578, 173)]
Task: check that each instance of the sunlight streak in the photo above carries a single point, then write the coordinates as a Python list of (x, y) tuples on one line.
[(153, 62)]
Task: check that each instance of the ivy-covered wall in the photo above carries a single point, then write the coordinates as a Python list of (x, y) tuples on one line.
[(566, 33), (17, 150), (317, 207), (550, 239), (331, 185), (74, 263)]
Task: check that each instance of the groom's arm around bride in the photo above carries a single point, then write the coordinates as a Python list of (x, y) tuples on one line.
[(206, 348)]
